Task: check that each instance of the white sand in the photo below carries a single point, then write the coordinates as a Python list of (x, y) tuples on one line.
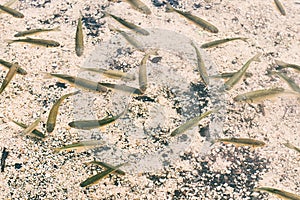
[(191, 171)]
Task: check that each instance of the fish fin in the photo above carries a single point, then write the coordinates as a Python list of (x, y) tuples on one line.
[(9, 41), (169, 8)]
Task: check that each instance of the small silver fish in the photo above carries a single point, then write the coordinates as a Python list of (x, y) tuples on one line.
[(291, 146), (91, 124), (222, 41), (191, 123), (115, 74), (136, 44), (11, 11), (8, 65), (51, 122), (107, 166), (143, 80), (35, 31), (8, 4), (96, 178), (35, 132), (122, 88), (282, 65), (201, 66), (31, 127), (258, 95), (287, 79), (280, 7), (140, 6), (280, 193), (239, 74), (242, 141), (79, 46), (129, 25), (9, 76), (79, 146), (80, 82), (198, 21), (40, 42), (229, 74)]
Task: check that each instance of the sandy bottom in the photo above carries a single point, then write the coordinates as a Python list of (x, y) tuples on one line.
[(189, 166)]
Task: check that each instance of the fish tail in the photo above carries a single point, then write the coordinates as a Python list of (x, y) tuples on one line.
[(193, 44), (152, 52), (244, 39), (9, 41), (105, 14), (256, 57), (169, 8), (47, 75), (111, 27), (57, 29), (56, 150), (280, 63)]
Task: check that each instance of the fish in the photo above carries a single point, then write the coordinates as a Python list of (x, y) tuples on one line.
[(282, 65), (114, 74), (50, 125), (40, 42), (80, 145), (143, 71), (229, 74), (11, 11), (201, 66), (31, 127), (96, 178), (222, 41), (289, 81), (258, 95), (35, 31), (242, 141), (34, 132), (131, 40), (11, 72), (8, 4), (8, 65), (280, 7), (80, 82), (139, 6), (198, 21), (3, 158), (289, 145), (129, 25), (79, 46), (191, 123), (239, 74), (123, 88), (107, 166), (280, 193), (92, 124)]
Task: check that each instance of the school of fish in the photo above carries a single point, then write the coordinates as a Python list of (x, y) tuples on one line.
[(233, 79)]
